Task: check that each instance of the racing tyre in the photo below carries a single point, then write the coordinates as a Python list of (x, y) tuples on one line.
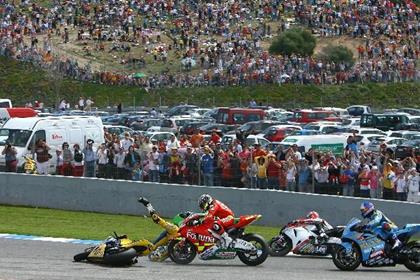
[(255, 257), (280, 246), (413, 262), (181, 251), (344, 261), (121, 258), (81, 257)]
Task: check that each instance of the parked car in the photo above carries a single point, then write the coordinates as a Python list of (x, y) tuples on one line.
[(239, 115), (407, 149), (390, 142), (144, 124), (358, 110), (220, 128), (308, 116), (256, 127), (118, 129), (159, 136), (277, 133), (251, 140), (180, 110)]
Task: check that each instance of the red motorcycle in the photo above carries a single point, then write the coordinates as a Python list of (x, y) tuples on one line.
[(195, 238)]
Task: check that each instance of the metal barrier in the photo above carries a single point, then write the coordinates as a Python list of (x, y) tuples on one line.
[(120, 197)]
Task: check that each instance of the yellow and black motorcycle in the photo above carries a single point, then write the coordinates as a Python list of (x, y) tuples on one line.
[(120, 250)]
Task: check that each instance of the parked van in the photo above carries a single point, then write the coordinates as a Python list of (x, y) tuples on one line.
[(5, 103), (340, 112), (23, 133), (322, 143), (239, 115), (307, 116), (384, 122)]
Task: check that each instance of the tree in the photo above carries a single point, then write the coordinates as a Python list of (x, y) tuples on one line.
[(338, 54), (294, 41)]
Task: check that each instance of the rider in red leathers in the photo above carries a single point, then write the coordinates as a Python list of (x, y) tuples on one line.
[(223, 218)]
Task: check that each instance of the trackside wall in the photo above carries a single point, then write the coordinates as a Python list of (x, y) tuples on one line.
[(120, 197)]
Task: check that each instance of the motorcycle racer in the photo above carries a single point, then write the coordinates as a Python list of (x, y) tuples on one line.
[(223, 217), (379, 224), (313, 219)]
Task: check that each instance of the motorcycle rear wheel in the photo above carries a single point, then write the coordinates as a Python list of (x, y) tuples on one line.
[(254, 258), (413, 264), (339, 258), (181, 254), (276, 250)]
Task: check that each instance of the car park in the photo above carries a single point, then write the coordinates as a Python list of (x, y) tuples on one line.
[(118, 129), (239, 115), (358, 110), (408, 149)]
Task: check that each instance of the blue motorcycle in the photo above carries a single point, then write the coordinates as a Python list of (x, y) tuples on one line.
[(358, 246)]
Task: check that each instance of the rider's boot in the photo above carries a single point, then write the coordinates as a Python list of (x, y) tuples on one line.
[(224, 238)]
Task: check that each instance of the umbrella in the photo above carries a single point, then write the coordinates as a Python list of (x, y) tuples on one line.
[(139, 75)]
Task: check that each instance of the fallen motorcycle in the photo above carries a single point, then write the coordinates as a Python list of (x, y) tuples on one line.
[(303, 240), (121, 251), (196, 239)]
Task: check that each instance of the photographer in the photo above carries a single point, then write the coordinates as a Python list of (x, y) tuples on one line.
[(10, 155)]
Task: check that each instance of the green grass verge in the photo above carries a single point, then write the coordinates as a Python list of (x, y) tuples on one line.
[(86, 225), (22, 83)]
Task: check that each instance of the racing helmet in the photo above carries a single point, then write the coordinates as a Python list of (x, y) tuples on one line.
[(205, 201), (312, 215), (366, 208)]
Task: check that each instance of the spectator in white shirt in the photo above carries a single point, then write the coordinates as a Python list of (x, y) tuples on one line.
[(413, 180)]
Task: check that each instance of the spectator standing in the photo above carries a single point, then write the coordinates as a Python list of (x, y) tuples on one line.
[(10, 157), (89, 104), (67, 160), (364, 179), (303, 172), (191, 166), (102, 156), (252, 171), (388, 181), (163, 165), (291, 176), (349, 180), (401, 187), (262, 164), (81, 103), (374, 177), (59, 162), (207, 166), (127, 141), (42, 157), (413, 185), (119, 163), (273, 172), (90, 159), (175, 166), (77, 161), (132, 162), (153, 163)]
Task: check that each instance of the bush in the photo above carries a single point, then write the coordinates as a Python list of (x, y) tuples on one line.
[(338, 54), (294, 41)]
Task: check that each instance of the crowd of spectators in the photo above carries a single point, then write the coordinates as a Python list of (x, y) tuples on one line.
[(222, 40), (192, 160)]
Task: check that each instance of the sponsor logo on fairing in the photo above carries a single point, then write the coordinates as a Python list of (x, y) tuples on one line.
[(204, 238)]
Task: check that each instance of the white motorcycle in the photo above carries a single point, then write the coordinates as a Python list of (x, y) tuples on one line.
[(304, 239)]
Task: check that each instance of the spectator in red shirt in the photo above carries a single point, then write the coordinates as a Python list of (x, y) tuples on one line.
[(258, 152), (273, 172), (215, 138)]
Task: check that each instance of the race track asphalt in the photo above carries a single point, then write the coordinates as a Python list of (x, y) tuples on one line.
[(33, 260)]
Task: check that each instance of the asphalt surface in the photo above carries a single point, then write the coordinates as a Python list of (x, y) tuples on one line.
[(29, 260)]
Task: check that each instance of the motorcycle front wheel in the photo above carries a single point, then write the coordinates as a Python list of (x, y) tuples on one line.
[(413, 262), (259, 255), (280, 246), (347, 262), (181, 251)]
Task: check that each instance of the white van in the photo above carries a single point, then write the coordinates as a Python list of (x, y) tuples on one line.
[(322, 143), (23, 133)]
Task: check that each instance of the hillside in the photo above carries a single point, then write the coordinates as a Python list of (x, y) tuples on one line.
[(23, 83)]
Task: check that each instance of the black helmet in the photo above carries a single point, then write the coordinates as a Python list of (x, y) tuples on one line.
[(205, 201)]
